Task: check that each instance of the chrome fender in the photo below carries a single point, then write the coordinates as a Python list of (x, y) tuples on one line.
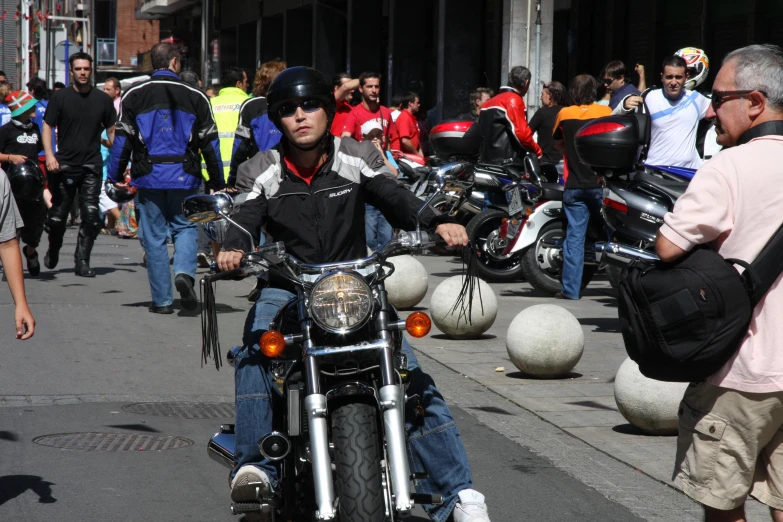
[(543, 214)]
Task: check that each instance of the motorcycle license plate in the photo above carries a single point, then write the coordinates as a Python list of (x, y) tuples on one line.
[(514, 202)]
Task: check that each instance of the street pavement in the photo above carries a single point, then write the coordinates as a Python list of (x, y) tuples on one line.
[(100, 365)]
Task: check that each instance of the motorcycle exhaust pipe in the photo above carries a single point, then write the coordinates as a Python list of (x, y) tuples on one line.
[(621, 255), (463, 204), (221, 446)]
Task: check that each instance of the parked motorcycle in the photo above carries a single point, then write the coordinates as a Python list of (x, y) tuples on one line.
[(529, 231), (636, 196), (335, 351)]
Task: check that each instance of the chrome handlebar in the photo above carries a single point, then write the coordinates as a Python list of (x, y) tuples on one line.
[(274, 255)]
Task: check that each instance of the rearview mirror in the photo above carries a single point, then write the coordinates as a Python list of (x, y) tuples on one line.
[(452, 176), (203, 208)]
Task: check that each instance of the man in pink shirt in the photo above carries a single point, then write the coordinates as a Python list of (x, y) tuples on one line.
[(731, 427)]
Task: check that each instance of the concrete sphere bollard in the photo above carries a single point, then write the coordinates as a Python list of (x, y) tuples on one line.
[(407, 286), (545, 341), (648, 404), (456, 323)]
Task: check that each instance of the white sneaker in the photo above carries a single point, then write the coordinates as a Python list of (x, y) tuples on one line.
[(247, 479), (471, 507)]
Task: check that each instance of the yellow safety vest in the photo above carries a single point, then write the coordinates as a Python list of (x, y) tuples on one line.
[(225, 107)]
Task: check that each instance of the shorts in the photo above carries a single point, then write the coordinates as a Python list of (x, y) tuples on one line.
[(730, 444), (106, 203)]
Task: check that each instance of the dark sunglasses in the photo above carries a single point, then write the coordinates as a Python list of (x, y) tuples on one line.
[(607, 81), (718, 97), (289, 109)]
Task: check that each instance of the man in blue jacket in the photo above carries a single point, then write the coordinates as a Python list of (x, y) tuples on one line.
[(165, 125)]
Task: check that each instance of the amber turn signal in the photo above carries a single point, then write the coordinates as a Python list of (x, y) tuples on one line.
[(418, 324), (272, 343)]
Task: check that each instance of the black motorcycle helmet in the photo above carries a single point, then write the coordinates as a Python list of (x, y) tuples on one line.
[(121, 194), (27, 180), (299, 82)]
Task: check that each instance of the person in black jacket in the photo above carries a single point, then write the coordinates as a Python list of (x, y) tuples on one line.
[(309, 192), (80, 113), (166, 125), (20, 142), (553, 98)]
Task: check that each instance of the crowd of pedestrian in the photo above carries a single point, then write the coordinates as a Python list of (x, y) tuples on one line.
[(140, 151)]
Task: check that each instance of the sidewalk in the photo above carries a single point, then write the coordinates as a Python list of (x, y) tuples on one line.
[(582, 403)]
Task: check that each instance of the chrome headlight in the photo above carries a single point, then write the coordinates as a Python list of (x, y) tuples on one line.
[(341, 302)]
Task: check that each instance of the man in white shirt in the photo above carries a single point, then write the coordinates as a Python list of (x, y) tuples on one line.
[(675, 114)]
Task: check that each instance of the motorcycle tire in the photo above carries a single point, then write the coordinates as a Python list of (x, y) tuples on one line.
[(542, 270), (492, 265), (357, 456)]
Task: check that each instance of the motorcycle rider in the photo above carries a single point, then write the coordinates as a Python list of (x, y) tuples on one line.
[(503, 122), (309, 192), (675, 114)]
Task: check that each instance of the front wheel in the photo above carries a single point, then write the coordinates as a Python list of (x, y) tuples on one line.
[(357, 456), (483, 232), (542, 266)]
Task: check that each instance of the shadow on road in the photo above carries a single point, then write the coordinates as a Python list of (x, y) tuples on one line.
[(11, 486), (482, 337), (602, 324), (454, 271), (51, 275), (9, 435), (491, 409), (523, 375), (592, 404), (134, 427)]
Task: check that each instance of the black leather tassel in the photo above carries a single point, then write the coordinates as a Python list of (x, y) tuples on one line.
[(470, 283), (210, 339)]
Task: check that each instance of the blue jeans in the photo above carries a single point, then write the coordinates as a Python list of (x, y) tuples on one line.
[(376, 228), (434, 448), (579, 205), (160, 214)]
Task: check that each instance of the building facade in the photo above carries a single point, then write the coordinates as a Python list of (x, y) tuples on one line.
[(443, 49)]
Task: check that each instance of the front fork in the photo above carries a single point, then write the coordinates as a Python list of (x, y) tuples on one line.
[(317, 413), (392, 402)]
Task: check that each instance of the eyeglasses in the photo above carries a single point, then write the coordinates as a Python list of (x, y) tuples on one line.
[(718, 97), (289, 109), (608, 81)]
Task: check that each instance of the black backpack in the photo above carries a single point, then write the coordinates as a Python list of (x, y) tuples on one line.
[(683, 321)]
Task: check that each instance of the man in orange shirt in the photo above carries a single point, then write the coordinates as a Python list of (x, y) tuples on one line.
[(583, 194), (407, 125)]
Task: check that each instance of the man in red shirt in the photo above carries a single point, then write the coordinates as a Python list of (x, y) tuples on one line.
[(343, 86), (369, 109), (407, 126)]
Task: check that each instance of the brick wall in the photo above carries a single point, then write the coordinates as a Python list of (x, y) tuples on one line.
[(133, 36)]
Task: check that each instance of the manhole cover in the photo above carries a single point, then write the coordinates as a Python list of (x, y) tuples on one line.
[(103, 442), (183, 410)]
